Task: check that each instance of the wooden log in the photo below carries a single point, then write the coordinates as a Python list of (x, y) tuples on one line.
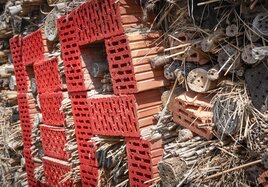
[(99, 69), (171, 170), (259, 53), (210, 43), (12, 83), (159, 61), (198, 81), (213, 73)]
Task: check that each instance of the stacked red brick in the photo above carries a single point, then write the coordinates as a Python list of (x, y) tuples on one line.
[(23, 57), (136, 85), (49, 85)]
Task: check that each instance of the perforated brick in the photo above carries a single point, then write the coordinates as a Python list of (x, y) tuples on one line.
[(19, 68), (54, 170), (32, 54), (83, 129), (50, 104), (143, 157), (53, 142), (71, 53), (120, 65), (89, 175), (123, 115), (26, 111), (15, 47), (30, 166), (192, 110), (97, 20), (47, 76), (114, 115)]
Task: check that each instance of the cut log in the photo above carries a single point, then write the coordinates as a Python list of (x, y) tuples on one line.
[(198, 81), (172, 170), (159, 61)]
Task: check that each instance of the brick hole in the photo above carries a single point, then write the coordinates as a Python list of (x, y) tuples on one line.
[(95, 59)]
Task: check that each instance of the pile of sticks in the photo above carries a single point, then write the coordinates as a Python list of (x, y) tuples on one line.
[(112, 160)]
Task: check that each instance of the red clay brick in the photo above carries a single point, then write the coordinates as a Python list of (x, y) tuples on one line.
[(123, 115), (53, 142), (54, 170), (191, 109), (143, 157)]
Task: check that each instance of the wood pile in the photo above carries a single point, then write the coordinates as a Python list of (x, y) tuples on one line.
[(216, 111)]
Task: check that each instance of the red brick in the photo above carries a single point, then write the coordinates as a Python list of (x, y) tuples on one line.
[(89, 175), (83, 129), (143, 157), (191, 109), (262, 179), (30, 54), (30, 166), (123, 115), (53, 142), (50, 104), (47, 76), (54, 170)]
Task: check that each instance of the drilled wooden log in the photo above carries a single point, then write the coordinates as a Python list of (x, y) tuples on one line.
[(198, 81)]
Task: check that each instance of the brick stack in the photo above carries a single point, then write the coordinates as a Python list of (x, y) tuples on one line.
[(136, 96), (194, 111), (53, 134), (23, 58)]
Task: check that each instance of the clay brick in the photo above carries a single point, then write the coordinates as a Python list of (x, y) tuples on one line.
[(30, 166), (54, 170), (19, 68), (30, 54), (262, 179), (83, 129), (89, 175), (47, 76), (143, 157), (71, 53), (123, 115), (50, 104), (27, 112), (53, 142), (191, 110)]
